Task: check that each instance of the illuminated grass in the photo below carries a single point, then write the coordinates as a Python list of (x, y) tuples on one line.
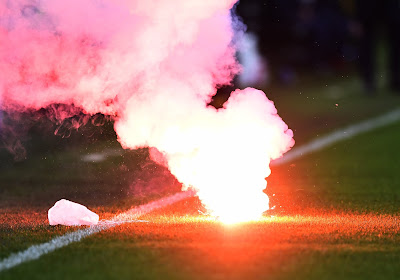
[(177, 246)]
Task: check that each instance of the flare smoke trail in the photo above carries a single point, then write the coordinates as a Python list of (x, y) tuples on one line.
[(153, 66)]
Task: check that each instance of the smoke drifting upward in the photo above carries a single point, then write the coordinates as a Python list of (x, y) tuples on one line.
[(153, 66)]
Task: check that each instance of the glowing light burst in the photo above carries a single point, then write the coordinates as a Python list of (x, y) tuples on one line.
[(226, 157), (232, 208), (231, 185), (230, 194)]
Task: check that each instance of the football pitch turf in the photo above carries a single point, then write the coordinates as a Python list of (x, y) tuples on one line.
[(336, 216)]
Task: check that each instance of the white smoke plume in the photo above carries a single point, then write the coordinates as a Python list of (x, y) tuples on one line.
[(153, 65)]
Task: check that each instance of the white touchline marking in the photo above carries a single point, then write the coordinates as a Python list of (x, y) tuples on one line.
[(338, 135), (36, 251), (99, 157)]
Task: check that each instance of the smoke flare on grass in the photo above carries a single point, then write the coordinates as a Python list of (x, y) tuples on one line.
[(154, 66)]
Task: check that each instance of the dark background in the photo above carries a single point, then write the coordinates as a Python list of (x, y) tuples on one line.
[(326, 37)]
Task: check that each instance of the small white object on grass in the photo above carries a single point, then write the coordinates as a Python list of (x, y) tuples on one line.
[(68, 213)]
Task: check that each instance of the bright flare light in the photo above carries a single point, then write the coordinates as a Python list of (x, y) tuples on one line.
[(225, 154)]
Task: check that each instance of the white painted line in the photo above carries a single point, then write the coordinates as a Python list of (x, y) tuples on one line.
[(339, 135), (36, 251), (99, 157)]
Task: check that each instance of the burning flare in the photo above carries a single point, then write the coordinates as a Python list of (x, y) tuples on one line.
[(153, 66), (225, 154)]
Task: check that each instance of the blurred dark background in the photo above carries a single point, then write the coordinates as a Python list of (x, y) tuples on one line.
[(324, 37)]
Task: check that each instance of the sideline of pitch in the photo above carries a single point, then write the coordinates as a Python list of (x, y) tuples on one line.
[(36, 251), (339, 135)]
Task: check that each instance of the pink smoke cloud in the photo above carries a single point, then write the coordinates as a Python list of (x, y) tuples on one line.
[(153, 66), (98, 54)]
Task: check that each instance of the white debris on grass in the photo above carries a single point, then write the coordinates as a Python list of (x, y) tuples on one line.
[(69, 213)]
